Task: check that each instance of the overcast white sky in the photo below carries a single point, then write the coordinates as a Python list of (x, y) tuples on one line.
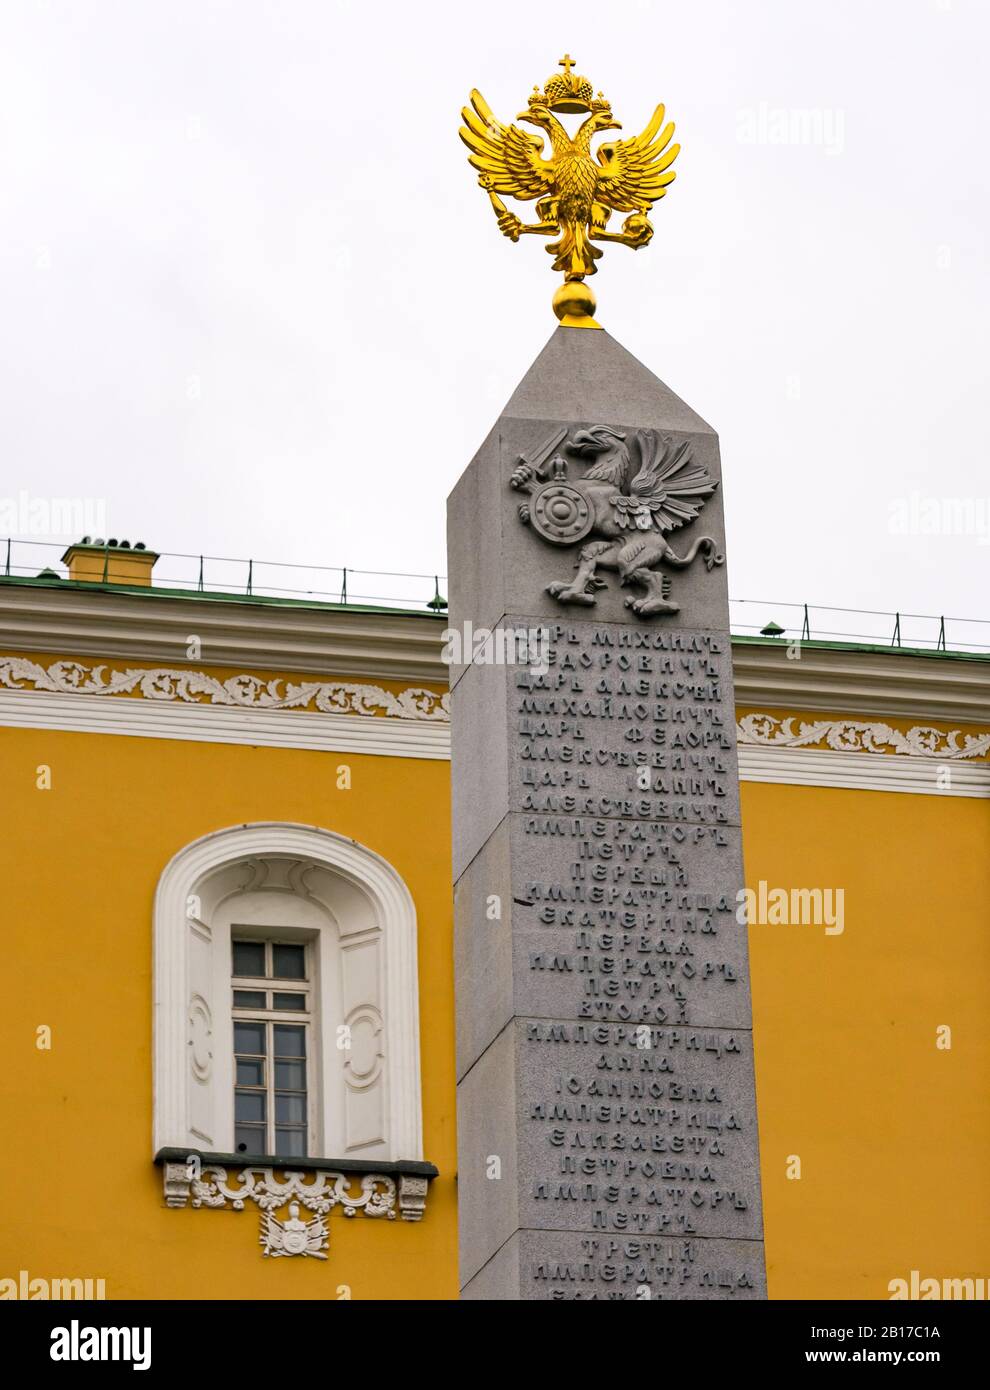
[(255, 301)]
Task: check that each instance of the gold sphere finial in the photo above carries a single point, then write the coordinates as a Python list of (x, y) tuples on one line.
[(574, 304)]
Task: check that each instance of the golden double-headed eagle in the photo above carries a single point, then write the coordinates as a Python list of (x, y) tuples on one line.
[(576, 190)]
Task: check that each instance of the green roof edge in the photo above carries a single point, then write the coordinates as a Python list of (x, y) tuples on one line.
[(273, 601), (263, 600)]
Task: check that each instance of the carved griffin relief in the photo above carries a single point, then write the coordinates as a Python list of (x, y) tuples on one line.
[(638, 486)]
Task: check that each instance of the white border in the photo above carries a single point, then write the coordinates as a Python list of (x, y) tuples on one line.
[(397, 913), (874, 772), (402, 738), (204, 723)]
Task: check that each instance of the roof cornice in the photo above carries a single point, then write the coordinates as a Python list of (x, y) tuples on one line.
[(148, 627), (864, 681), (394, 646)]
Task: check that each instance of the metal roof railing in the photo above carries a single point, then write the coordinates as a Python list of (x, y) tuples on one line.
[(860, 626), (224, 574), (771, 619)]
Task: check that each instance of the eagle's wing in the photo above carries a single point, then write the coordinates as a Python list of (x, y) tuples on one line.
[(669, 482), (509, 160), (636, 172)]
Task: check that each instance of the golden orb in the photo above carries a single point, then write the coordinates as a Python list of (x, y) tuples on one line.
[(574, 305)]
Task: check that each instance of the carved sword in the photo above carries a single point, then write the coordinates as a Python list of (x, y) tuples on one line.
[(536, 459)]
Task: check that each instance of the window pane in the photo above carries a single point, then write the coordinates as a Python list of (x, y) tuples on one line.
[(249, 1107), (289, 962), (290, 1076), (250, 1073), (291, 1142), (290, 1040), (249, 958), (288, 1001), (249, 1139), (250, 999), (250, 1037), (290, 1110)]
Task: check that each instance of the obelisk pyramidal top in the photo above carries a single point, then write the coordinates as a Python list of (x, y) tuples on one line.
[(607, 1133)]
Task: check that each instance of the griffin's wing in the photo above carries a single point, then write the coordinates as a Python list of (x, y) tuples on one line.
[(636, 172), (674, 487), (508, 159)]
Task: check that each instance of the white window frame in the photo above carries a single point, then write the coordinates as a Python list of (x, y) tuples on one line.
[(270, 985), (193, 1049)]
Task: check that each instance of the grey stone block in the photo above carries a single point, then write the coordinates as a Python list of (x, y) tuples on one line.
[(499, 565), (617, 1139), (553, 1266), (575, 1127), (479, 749), (483, 949), (580, 374), (602, 728), (498, 1281), (606, 1116), (662, 945), (487, 1154)]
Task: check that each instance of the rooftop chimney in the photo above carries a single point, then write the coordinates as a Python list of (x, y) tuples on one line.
[(110, 562)]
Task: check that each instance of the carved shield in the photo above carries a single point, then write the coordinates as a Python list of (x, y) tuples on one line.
[(560, 514)]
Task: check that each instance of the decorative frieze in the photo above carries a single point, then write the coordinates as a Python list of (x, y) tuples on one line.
[(319, 705), (163, 683), (189, 1183), (853, 736)]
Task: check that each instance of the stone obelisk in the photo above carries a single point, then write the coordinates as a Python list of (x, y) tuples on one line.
[(607, 1137)]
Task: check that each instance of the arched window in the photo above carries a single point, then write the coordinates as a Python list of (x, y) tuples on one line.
[(285, 999)]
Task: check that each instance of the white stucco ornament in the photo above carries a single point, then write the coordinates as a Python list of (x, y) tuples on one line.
[(294, 1237)]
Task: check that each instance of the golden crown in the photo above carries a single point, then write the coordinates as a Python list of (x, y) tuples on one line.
[(567, 92)]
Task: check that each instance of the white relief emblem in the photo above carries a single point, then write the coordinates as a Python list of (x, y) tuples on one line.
[(294, 1237)]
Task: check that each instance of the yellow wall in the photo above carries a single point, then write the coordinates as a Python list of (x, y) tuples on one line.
[(82, 861), (892, 1133)]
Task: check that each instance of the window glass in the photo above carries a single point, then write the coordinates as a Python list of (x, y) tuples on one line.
[(290, 1143), (249, 958), (249, 1107), (249, 1038), (290, 1040), (290, 1076), (250, 1139), (271, 1108), (250, 1071), (290, 1109), (289, 962), (250, 999)]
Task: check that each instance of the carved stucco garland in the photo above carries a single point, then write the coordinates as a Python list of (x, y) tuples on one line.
[(318, 1193), (167, 684), (851, 736), (247, 692)]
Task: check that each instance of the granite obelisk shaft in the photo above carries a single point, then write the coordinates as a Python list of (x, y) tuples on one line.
[(607, 1139)]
